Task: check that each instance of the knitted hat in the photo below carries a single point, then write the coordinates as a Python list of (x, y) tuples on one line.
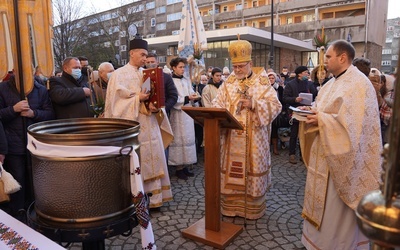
[(166, 70), (300, 69), (225, 70)]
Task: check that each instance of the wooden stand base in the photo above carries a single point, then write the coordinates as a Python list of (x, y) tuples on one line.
[(220, 239)]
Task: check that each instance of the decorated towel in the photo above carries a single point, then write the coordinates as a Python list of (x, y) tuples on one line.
[(138, 195), (16, 235)]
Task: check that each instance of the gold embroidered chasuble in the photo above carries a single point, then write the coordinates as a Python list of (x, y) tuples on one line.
[(345, 146), (246, 153), (122, 101)]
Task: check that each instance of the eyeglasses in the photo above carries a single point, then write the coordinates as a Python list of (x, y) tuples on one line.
[(240, 66)]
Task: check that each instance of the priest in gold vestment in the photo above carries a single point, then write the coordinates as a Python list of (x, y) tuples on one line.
[(245, 154), (341, 148)]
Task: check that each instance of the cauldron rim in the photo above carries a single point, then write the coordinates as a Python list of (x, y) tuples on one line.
[(56, 131)]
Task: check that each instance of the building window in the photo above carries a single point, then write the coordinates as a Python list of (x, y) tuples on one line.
[(122, 48), (150, 5), (238, 6), (386, 63), (93, 34), (161, 26), (225, 27), (390, 28), (389, 40), (135, 9), (174, 16), (122, 33), (116, 43), (175, 32), (107, 44), (309, 18), (225, 9), (238, 25), (396, 34), (123, 61), (139, 23), (161, 10), (387, 51), (289, 20), (297, 19), (255, 3), (327, 15), (162, 59), (173, 1), (153, 22), (395, 57)]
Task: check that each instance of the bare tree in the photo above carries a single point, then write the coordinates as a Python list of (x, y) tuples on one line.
[(69, 29), (111, 27)]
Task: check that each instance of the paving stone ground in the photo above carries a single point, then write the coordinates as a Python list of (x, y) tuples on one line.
[(279, 228)]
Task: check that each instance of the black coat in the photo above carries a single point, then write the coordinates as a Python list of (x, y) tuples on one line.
[(3, 141), (39, 102), (293, 88), (68, 97), (171, 93)]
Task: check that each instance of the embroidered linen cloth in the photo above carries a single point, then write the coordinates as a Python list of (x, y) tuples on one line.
[(16, 235), (49, 150)]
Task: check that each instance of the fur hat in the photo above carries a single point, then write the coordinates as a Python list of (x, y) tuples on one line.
[(300, 69)]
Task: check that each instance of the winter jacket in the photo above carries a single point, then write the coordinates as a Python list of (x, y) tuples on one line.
[(68, 97), (13, 122)]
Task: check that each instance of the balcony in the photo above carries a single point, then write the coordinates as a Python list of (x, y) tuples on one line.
[(264, 10), (227, 16)]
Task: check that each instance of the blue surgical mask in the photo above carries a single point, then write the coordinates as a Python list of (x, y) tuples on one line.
[(304, 78), (76, 73), (109, 76)]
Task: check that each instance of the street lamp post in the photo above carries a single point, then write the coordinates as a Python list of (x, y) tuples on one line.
[(271, 60)]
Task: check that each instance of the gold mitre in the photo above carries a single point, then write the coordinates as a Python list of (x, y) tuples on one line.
[(240, 51)]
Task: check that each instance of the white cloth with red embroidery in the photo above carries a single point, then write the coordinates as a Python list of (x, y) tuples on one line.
[(50, 150), (16, 235)]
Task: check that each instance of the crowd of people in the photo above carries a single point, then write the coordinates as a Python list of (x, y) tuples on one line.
[(342, 138)]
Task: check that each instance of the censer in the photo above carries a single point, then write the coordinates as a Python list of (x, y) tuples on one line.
[(378, 213)]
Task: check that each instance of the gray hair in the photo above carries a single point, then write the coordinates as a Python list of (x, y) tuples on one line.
[(101, 66)]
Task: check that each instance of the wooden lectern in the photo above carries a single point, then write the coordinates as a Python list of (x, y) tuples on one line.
[(210, 230)]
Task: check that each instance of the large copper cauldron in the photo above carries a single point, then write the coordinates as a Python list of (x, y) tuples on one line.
[(84, 189)]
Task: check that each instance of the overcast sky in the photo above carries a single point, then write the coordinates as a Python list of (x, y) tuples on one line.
[(101, 5)]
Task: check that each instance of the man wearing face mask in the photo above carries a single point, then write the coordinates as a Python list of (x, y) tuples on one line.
[(70, 93), (299, 84), (171, 93), (100, 85)]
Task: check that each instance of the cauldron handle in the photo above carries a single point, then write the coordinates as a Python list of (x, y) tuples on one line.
[(121, 151)]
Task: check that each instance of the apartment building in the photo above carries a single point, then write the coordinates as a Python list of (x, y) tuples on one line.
[(390, 51), (296, 22)]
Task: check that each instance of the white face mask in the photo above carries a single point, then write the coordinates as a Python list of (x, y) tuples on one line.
[(151, 65), (76, 73), (109, 76)]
